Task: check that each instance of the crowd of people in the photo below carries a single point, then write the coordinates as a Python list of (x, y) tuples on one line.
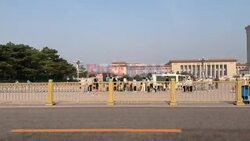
[(146, 85), (207, 84), (122, 84)]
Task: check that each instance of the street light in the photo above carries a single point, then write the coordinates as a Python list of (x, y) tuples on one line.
[(78, 69), (203, 69)]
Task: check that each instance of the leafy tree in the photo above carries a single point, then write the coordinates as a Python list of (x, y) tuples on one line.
[(138, 78), (83, 72), (22, 62), (127, 77), (149, 75)]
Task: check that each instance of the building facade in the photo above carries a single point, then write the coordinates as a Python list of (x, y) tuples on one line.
[(119, 68), (241, 67), (200, 68), (132, 69), (204, 68), (144, 69)]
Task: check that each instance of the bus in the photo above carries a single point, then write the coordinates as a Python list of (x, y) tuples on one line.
[(168, 77)]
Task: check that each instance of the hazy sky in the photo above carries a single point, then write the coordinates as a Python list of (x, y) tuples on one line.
[(147, 31)]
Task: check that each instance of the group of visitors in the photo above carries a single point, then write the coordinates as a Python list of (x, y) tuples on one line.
[(122, 85), (146, 85), (139, 86), (207, 84)]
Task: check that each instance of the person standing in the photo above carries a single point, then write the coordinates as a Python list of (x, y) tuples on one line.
[(148, 85), (124, 84), (189, 84), (90, 84), (143, 86), (210, 83), (96, 84), (134, 85), (184, 85)]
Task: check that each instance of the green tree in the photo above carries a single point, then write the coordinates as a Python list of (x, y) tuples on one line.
[(22, 62), (138, 78)]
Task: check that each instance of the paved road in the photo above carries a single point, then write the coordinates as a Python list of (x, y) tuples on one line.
[(203, 124)]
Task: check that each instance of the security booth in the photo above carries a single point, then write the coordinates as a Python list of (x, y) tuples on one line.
[(245, 93)]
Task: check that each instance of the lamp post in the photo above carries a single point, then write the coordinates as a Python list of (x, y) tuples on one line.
[(78, 69), (203, 68)]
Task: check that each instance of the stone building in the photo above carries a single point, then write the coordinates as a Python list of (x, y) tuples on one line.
[(204, 68)]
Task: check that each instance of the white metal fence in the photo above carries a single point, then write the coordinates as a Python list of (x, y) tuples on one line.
[(130, 92), (217, 91), (23, 92)]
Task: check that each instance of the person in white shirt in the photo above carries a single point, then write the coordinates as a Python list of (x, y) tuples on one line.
[(245, 82), (124, 84), (189, 84), (143, 86), (90, 84), (210, 83), (134, 85)]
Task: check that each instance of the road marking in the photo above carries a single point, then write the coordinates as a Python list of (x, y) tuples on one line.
[(133, 130)]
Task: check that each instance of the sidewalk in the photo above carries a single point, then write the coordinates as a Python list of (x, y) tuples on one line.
[(96, 105)]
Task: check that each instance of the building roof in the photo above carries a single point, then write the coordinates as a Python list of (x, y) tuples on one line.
[(239, 64), (200, 60), (118, 65), (146, 66), (167, 65), (119, 62)]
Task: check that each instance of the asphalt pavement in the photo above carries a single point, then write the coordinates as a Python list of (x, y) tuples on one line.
[(193, 123)]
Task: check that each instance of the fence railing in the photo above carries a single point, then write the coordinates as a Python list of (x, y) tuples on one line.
[(23, 92), (217, 91), (124, 92)]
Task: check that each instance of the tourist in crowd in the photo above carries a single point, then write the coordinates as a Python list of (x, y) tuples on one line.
[(134, 85), (90, 84), (143, 86), (189, 85), (210, 84), (148, 85), (124, 84), (115, 82), (96, 84)]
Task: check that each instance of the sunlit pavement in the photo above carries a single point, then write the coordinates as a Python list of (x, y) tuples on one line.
[(124, 123)]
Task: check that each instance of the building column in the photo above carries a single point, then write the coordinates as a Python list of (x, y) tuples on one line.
[(191, 69), (222, 70), (211, 75), (214, 71), (196, 69), (206, 69), (218, 70), (200, 71)]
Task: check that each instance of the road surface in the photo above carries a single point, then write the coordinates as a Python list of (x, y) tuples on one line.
[(125, 124)]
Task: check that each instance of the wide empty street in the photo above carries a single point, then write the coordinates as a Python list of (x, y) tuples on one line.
[(125, 124)]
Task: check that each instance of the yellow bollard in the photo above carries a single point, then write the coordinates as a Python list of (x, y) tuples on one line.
[(239, 99), (172, 93), (111, 92), (50, 100)]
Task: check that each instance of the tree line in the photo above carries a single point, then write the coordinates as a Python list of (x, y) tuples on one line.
[(19, 62)]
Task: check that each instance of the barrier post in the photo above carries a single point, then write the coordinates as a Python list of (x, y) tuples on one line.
[(111, 93), (239, 99), (50, 98), (172, 93)]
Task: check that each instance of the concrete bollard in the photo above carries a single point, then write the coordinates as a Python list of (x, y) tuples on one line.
[(238, 95), (111, 93), (172, 93), (50, 98)]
